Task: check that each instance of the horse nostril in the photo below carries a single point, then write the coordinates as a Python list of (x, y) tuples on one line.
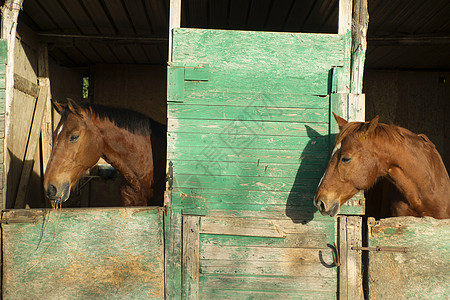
[(320, 205), (51, 191)]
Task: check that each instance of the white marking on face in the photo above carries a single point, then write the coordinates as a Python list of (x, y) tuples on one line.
[(59, 130), (336, 148)]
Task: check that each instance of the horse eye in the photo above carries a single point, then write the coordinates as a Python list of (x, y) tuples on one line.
[(73, 138), (346, 159)]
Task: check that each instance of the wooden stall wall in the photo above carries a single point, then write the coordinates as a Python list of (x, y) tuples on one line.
[(419, 101), (21, 114), (2, 108), (64, 83)]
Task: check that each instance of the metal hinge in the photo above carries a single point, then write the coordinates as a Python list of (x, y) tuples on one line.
[(381, 248), (169, 178)]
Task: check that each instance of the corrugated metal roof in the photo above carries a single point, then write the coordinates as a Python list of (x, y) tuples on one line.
[(402, 34)]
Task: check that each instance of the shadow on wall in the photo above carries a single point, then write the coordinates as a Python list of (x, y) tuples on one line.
[(34, 196), (314, 159)]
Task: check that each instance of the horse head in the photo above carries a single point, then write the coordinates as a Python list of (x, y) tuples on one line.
[(77, 146), (353, 166)]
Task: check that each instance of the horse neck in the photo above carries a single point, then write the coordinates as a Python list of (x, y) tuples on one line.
[(128, 152), (421, 176)]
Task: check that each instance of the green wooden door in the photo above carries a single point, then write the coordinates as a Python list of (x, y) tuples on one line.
[(423, 272), (102, 253), (248, 135)]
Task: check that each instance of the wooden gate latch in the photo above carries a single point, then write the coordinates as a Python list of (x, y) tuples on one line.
[(380, 249)]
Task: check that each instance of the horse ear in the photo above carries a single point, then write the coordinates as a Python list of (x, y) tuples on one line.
[(341, 122), (73, 106), (372, 125), (57, 106)]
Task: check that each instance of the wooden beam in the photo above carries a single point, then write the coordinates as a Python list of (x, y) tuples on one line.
[(360, 23), (10, 12), (47, 124), (350, 269), (26, 86), (174, 22), (409, 40), (345, 16), (191, 257), (31, 149), (68, 40)]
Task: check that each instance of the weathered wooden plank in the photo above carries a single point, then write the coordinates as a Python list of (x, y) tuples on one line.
[(291, 240), (83, 253), (423, 272), (173, 254), (25, 86), (228, 53), (213, 293), (32, 147), (263, 254), (229, 126), (269, 283), (263, 227), (350, 270), (191, 260), (244, 183), (244, 141), (212, 153), (250, 169), (275, 268), (244, 98), (247, 113)]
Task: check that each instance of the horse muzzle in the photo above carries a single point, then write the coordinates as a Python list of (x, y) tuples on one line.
[(55, 193), (327, 210)]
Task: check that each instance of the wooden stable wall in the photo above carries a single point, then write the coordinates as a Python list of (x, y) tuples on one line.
[(138, 87), (64, 83), (419, 101)]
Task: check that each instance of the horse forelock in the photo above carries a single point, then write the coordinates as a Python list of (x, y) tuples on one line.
[(358, 130), (132, 121)]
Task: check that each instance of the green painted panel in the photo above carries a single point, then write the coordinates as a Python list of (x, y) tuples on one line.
[(243, 98), (261, 61), (421, 273), (244, 183), (244, 141), (3, 52), (210, 153), (249, 169), (316, 241), (207, 292), (247, 113), (110, 253)]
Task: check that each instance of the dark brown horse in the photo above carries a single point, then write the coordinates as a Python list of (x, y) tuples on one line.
[(122, 137), (366, 151)]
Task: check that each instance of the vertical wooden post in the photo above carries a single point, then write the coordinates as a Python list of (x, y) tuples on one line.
[(174, 22), (360, 23), (191, 257), (10, 13), (47, 124), (350, 270), (345, 16)]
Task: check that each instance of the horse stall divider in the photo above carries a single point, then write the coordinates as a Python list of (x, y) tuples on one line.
[(421, 271), (33, 144)]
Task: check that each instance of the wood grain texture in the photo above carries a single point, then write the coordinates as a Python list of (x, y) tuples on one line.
[(83, 253), (423, 272), (191, 257)]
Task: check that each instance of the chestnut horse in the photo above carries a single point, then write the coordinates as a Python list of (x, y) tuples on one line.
[(366, 151), (122, 137)]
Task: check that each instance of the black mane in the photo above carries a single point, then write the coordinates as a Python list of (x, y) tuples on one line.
[(124, 118)]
